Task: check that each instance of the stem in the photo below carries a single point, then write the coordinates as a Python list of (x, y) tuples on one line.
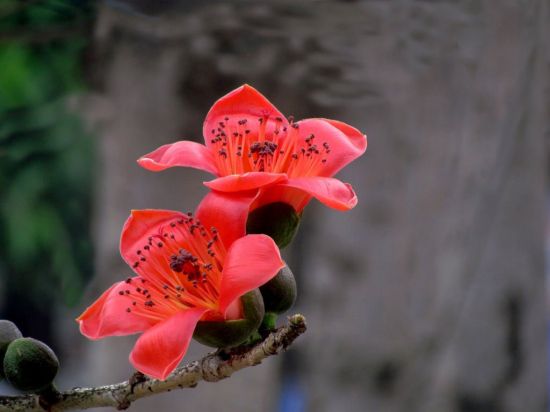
[(211, 368), (49, 396)]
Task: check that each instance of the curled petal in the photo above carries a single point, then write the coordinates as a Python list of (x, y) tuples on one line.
[(243, 103), (107, 316), (332, 192), (345, 142), (139, 226), (184, 153), (228, 211), (159, 350), (251, 261), (246, 181)]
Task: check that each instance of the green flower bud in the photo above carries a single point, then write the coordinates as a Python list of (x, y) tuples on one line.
[(280, 292), (277, 220), (8, 333), (231, 333), (30, 365)]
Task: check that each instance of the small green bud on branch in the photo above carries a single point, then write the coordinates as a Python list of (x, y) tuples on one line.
[(8, 333)]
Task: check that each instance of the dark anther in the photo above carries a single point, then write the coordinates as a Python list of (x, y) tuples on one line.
[(121, 292), (255, 147)]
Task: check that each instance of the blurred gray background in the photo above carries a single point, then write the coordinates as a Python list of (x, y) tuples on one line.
[(429, 296)]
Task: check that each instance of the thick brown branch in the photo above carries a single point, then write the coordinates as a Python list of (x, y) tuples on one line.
[(211, 368)]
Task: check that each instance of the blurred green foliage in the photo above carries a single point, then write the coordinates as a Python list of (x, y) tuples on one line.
[(46, 156)]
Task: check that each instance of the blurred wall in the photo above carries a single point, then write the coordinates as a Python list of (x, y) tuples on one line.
[(429, 296)]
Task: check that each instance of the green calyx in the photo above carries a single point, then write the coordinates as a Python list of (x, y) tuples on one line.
[(279, 293), (277, 220), (231, 333), (8, 333), (30, 365)]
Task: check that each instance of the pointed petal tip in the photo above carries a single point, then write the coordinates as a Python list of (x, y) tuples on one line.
[(159, 350)]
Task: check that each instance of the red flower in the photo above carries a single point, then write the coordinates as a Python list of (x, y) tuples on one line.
[(185, 273), (250, 145)]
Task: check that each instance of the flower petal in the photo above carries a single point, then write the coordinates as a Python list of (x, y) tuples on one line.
[(159, 350), (139, 226), (246, 181), (296, 198), (244, 103), (184, 153), (345, 142), (227, 212), (250, 262), (107, 316), (332, 192)]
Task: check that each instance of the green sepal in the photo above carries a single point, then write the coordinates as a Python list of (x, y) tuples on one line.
[(280, 292), (231, 333), (30, 365), (8, 333), (277, 220)]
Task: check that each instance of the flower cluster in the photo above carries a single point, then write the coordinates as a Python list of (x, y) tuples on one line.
[(200, 275)]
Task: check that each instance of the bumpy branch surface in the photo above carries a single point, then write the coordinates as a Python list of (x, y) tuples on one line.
[(211, 368)]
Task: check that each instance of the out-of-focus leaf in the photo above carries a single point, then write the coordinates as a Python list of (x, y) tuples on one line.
[(45, 155)]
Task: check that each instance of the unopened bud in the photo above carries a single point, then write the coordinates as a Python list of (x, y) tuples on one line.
[(280, 292), (30, 365), (229, 333), (278, 220), (8, 333)]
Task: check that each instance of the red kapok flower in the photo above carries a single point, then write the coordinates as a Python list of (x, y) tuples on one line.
[(186, 273), (250, 145)]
